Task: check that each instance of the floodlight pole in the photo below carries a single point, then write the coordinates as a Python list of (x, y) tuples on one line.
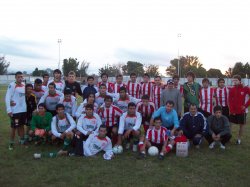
[(178, 38), (59, 46)]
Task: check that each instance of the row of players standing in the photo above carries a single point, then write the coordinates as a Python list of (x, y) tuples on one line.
[(156, 92)]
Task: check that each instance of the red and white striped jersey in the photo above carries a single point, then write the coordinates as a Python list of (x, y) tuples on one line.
[(146, 111), (157, 136), (206, 99), (156, 97), (118, 86), (109, 115), (146, 89), (221, 96), (109, 85), (134, 89)]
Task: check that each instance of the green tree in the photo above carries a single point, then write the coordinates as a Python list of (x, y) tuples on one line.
[(38, 73), (70, 64), (3, 65), (214, 73), (239, 69), (133, 67), (82, 71), (229, 73), (112, 71), (152, 70)]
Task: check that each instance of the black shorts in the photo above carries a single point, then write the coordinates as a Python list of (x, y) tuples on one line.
[(158, 145), (18, 119), (238, 118)]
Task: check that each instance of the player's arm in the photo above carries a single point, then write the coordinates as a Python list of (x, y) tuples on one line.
[(80, 124), (137, 122), (8, 96), (53, 128), (108, 151), (99, 123), (72, 123), (121, 129), (74, 107), (79, 111)]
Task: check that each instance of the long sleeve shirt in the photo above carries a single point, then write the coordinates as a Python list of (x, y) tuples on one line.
[(169, 119)]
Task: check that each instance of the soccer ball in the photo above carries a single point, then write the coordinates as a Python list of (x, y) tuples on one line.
[(153, 151), (118, 149)]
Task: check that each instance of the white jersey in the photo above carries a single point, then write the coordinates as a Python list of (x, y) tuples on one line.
[(15, 94), (59, 126), (70, 106), (86, 124), (123, 104), (51, 100), (100, 99), (81, 109), (129, 122), (59, 85), (95, 144)]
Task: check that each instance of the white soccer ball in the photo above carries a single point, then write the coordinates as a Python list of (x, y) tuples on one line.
[(153, 151), (118, 149)]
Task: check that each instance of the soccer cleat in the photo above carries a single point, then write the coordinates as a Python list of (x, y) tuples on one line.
[(127, 145), (211, 146), (141, 156), (11, 147), (135, 147), (161, 157), (222, 146), (238, 142)]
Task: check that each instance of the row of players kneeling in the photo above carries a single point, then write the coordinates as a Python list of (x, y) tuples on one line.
[(157, 139)]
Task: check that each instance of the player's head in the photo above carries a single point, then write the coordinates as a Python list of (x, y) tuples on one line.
[(157, 122), (170, 84), (131, 108), (90, 80), (60, 109), (205, 82), (71, 76), (52, 88), (217, 111), (157, 80), (108, 101), (236, 80), (193, 109), (102, 131), (91, 98), (102, 88), (119, 79), (133, 77), (28, 88), (19, 76), (145, 100), (146, 77), (176, 79), (104, 77), (67, 94), (89, 109), (169, 105), (57, 74), (221, 82), (190, 76), (123, 92), (41, 108), (38, 84), (45, 77)]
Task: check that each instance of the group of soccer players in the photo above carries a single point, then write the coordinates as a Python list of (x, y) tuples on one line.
[(135, 115)]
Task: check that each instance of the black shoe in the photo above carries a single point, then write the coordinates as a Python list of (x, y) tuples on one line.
[(160, 157), (141, 156)]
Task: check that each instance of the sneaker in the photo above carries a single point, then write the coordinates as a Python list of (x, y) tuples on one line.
[(211, 146), (135, 147), (222, 146), (37, 155), (238, 142), (11, 147)]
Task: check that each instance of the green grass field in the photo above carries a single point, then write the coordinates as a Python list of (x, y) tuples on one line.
[(202, 167)]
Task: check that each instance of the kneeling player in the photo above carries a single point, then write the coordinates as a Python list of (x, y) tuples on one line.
[(62, 126), (129, 126)]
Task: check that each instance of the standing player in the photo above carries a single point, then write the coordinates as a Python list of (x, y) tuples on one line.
[(129, 126), (238, 104), (60, 84), (221, 96), (16, 108), (109, 85), (206, 98), (133, 88), (157, 92), (146, 86), (38, 91), (99, 96), (73, 84), (45, 82), (118, 84), (90, 88), (177, 85)]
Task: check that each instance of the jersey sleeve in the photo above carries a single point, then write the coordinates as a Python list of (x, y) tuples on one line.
[(108, 151), (8, 96), (79, 111), (74, 107), (99, 123), (138, 122), (121, 124), (72, 123), (79, 125), (53, 128)]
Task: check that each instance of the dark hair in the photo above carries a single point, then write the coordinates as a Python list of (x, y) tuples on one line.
[(220, 79), (45, 75), (90, 94), (117, 76), (29, 86), (57, 71), (237, 77), (190, 73), (170, 102), (217, 108), (122, 89), (104, 74), (192, 104), (102, 85), (18, 73), (67, 91), (53, 84), (146, 75), (42, 105), (89, 106), (157, 119), (131, 104), (175, 76), (205, 80), (38, 81), (59, 106), (108, 97), (132, 74), (90, 77), (158, 77), (145, 97), (103, 127)]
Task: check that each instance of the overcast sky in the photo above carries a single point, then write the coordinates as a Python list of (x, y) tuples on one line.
[(115, 31)]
